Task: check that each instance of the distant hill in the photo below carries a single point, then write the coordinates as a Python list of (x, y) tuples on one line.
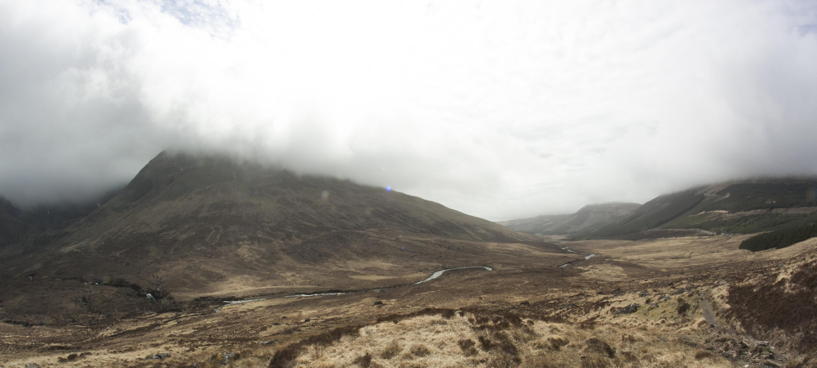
[(586, 220), (741, 206), (744, 206), (543, 224), (36, 226)]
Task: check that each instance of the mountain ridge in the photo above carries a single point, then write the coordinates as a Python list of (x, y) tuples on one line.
[(739, 206), (201, 225), (735, 206)]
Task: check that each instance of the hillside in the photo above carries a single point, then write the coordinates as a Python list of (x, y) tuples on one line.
[(212, 262), (543, 224), (679, 302), (744, 206), (211, 225), (585, 220), (11, 226)]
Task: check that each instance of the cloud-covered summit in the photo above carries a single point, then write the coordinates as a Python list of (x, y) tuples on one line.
[(496, 108)]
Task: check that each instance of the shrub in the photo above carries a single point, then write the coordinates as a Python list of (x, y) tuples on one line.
[(419, 350), (683, 307), (363, 361), (598, 346), (485, 343), (467, 346), (391, 351), (504, 361), (594, 362), (556, 343), (703, 354)]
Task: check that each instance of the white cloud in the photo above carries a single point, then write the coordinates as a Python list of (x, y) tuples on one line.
[(496, 108)]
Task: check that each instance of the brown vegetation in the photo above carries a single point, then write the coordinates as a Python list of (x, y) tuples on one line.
[(525, 315), (786, 304)]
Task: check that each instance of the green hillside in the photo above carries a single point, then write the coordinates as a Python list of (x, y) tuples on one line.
[(746, 206)]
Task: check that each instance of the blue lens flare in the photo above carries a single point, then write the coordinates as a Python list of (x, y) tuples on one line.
[(388, 188)]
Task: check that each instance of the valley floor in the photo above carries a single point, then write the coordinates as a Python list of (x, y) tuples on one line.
[(650, 303)]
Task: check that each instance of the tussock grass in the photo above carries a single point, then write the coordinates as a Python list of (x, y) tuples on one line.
[(498, 340), (391, 351), (419, 350)]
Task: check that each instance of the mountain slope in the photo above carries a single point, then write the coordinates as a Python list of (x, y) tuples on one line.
[(543, 224), (252, 195), (744, 206), (213, 225), (11, 226), (587, 219)]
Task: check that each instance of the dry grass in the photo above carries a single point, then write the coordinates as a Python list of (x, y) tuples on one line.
[(391, 350), (497, 341), (419, 350), (511, 317)]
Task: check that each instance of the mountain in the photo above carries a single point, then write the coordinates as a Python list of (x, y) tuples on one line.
[(585, 220), (11, 226), (787, 206), (212, 225), (36, 225), (542, 224), (743, 206)]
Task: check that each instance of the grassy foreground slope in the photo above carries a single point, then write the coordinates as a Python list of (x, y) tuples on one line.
[(676, 302)]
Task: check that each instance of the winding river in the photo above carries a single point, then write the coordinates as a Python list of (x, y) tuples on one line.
[(439, 273), (586, 257), (435, 275)]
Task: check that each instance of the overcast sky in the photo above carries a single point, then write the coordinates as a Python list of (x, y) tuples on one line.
[(500, 109)]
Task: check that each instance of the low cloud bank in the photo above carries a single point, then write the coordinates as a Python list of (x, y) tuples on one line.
[(498, 109)]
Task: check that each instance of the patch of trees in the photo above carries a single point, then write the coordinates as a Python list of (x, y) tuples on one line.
[(780, 238)]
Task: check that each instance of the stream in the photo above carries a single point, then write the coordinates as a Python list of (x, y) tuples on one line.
[(435, 275), (586, 257), (439, 273)]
